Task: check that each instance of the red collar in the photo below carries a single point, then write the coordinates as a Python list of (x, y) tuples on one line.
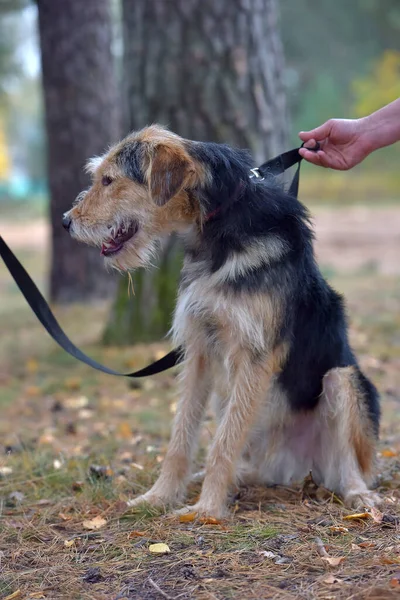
[(212, 214), (234, 197)]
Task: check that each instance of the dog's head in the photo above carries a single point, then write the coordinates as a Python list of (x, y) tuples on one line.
[(141, 190)]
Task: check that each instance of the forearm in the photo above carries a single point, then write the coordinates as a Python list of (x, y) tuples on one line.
[(382, 128)]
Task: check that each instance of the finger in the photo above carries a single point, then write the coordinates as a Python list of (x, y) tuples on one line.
[(332, 162), (324, 160), (318, 134), (312, 157), (311, 144)]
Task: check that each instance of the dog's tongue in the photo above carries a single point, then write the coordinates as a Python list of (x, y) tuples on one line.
[(109, 247)]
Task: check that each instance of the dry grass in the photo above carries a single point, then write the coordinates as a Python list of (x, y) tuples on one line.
[(62, 421)]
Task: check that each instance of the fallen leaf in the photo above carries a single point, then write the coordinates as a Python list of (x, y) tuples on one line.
[(76, 402), (46, 438), (31, 365), (85, 413), (73, 383), (35, 595), (333, 561), (268, 554), (159, 548), (134, 534), (209, 521), (376, 515), (187, 518), (33, 391), (124, 431), (331, 579), (390, 561), (5, 471), (126, 457), (367, 545), (364, 515), (338, 529), (64, 517), (69, 543), (388, 453), (136, 466), (394, 582), (95, 523), (16, 594)]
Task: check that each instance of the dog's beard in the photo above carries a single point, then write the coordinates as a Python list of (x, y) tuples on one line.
[(134, 254), (137, 252)]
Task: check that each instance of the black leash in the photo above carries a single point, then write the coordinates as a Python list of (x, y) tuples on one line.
[(275, 166), (278, 165)]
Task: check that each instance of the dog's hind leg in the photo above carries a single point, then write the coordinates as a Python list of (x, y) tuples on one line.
[(345, 460)]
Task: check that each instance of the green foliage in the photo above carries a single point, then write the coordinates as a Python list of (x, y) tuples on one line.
[(381, 86), (328, 46)]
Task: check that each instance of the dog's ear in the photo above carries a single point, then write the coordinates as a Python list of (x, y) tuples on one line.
[(169, 169)]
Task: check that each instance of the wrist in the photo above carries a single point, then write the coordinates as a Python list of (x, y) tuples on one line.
[(381, 128)]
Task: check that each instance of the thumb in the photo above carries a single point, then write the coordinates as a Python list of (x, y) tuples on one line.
[(318, 134)]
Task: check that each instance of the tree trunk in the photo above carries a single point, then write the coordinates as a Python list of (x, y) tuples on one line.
[(81, 105), (211, 71)]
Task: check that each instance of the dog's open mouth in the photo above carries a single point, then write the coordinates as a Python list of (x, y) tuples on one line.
[(118, 238)]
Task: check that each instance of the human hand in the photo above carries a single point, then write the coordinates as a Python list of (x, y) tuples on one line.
[(343, 143)]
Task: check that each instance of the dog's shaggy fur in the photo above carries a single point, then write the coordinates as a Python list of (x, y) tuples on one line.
[(264, 335)]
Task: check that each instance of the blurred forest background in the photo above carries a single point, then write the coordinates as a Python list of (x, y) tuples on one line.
[(75, 444), (74, 79)]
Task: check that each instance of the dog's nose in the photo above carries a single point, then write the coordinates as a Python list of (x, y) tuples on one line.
[(66, 222)]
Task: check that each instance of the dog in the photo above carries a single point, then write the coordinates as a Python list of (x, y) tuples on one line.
[(264, 335)]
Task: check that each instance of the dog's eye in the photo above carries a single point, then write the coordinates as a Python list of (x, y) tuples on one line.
[(106, 180)]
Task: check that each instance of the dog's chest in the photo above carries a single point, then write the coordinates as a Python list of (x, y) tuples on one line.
[(209, 316)]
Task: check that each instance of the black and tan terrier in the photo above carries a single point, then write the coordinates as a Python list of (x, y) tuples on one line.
[(264, 336)]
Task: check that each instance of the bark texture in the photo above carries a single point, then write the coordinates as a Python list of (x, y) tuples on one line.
[(210, 70), (81, 106)]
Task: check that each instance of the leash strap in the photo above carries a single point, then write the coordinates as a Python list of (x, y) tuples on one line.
[(42, 310), (275, 166), (278, 165)]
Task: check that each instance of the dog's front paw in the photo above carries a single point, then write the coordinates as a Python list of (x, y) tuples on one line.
[(362, 500), (160, 496), (150, 499), (202, 509)]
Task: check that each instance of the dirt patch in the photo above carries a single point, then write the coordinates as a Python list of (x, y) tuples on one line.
[(358, 238)]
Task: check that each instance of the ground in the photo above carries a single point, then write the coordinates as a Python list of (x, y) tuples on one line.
[(75, 444)]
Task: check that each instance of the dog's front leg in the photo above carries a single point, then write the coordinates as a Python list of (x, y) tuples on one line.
[(170, 487), (251, 382)]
